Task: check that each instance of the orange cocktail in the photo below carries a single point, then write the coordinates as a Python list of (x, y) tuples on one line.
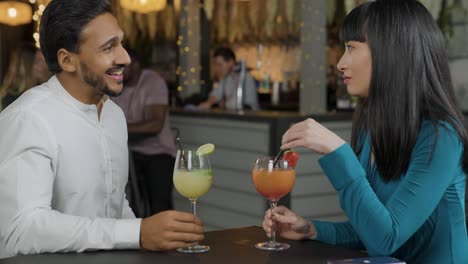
[(273, 183), (273, 179)]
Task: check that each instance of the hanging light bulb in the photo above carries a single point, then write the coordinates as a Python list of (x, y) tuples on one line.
[(15, 13), (143, 6)]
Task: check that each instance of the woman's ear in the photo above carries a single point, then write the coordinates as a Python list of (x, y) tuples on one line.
[(67, 60)]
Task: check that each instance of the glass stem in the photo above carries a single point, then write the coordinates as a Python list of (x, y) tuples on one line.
[(193, 206), (273, 225)]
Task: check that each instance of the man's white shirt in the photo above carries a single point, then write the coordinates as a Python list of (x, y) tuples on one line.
[(63, 173)]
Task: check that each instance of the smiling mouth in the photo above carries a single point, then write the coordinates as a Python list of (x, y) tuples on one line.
[(115, 73)]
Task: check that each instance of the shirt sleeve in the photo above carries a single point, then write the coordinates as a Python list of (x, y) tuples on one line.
[(251, 97), (383, 228), (340, 234), (127, 212), (218, 91), (28, 223)]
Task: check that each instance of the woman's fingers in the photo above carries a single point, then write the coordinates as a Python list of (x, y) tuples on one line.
[(285, 219), (283, 215), (296, 135), (312, 135), (267, 227), (292, 133), (279, 210)]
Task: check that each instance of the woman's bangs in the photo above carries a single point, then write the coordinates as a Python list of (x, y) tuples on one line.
[(355, 26)]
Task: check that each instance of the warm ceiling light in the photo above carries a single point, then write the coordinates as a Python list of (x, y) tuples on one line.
[(15, 13), (12, 12), (143, 6)]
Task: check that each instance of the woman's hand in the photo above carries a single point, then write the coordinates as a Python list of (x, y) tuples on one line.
[(288, 224), (312, 135)]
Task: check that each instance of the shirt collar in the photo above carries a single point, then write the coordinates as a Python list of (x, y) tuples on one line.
[(57, 87)]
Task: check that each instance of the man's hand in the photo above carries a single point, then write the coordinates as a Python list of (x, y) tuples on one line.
[(208, 103), (170, 230)]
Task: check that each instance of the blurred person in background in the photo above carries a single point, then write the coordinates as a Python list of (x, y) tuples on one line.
[(26, 59), (17, 79), (40, 72), (144, 101), (224, 94)]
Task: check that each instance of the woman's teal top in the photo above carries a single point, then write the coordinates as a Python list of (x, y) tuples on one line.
[(419, 218)]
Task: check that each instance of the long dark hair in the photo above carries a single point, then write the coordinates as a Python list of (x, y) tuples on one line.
[(62, 23), (410, 82)]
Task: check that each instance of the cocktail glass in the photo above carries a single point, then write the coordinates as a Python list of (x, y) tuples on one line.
[(273, 181), (192, 179)]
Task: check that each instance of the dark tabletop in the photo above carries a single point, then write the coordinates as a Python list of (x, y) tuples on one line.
[(227, 246)]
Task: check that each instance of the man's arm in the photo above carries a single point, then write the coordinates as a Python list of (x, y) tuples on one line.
[(215, 96), (28, 223), (153, 123), (127, 212), (208, 103)]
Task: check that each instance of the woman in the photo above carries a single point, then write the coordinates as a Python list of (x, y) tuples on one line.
[(402, 180), (18, 78)]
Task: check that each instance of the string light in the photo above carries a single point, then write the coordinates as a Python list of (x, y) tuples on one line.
[(36, 17), (187, 75)]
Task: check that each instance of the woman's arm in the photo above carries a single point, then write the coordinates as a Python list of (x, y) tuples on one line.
[(340, 234), (383, 228)]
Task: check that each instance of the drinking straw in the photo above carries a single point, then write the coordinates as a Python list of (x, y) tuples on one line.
[(182, 153), (278, 156)]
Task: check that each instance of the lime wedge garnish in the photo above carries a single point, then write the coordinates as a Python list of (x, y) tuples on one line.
[(205, 149)]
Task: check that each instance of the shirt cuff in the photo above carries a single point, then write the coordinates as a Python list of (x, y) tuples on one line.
[(127, 233), (341, 166), (326, 232)]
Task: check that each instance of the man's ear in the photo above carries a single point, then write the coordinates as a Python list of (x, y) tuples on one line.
[(68, 61)]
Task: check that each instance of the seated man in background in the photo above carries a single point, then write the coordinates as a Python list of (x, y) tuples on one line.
[(225, 94), (144, 101), (64, 155)]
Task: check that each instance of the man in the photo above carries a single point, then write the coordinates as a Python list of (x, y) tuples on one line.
[(144, 101), (225, 94), (64, 157)]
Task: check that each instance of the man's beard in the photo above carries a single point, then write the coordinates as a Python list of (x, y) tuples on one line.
[(95, 81)]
